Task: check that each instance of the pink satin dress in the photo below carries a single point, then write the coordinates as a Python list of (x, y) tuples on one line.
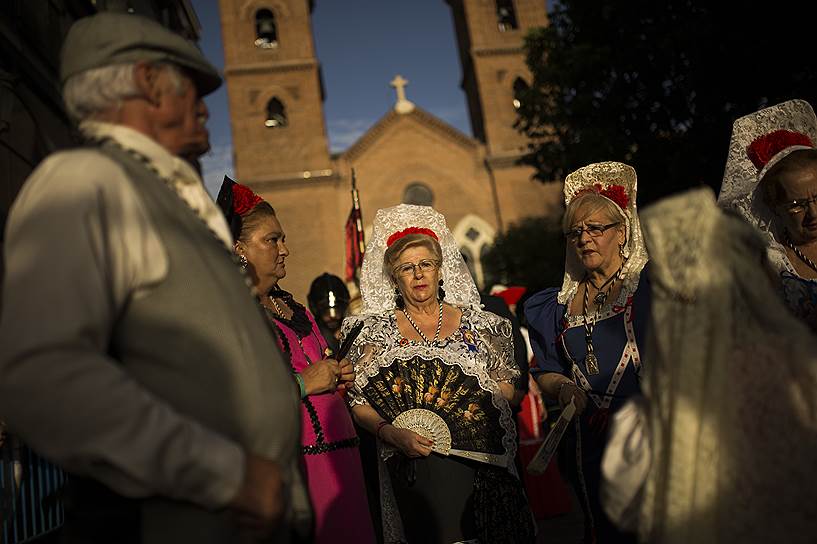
[(330, 446)]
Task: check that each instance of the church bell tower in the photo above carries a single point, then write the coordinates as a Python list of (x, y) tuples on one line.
[(275, 91), (490, 36)]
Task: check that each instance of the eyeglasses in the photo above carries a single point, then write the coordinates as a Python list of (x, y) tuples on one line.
[(593, 230), (407, 269), (799, 205)]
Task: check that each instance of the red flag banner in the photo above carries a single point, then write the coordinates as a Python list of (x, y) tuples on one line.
[(355, 245)]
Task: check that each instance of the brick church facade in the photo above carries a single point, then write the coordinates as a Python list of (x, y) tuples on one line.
[(281, 148)]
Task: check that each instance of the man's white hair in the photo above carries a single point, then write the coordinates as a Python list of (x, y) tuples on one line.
[(103, 89)]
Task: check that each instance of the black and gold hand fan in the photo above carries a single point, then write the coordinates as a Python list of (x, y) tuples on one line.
[(442, 403)]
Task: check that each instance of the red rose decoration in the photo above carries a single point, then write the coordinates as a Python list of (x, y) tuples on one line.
[(616, 193), (764, 148), (244, 199), (411, 230)]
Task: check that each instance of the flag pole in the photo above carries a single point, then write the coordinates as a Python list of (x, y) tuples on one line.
[(358, 216)]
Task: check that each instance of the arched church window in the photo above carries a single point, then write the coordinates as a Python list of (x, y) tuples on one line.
[(266, 33), (419, 194), (519, 88), (506, 15), (474, 237), (276, 114)]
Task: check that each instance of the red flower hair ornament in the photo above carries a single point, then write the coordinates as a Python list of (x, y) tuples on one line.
[(411, 230), (616, 193), (764, 148), (244, 199)]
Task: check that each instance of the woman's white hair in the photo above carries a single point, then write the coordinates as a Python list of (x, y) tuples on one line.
[(102, 89)]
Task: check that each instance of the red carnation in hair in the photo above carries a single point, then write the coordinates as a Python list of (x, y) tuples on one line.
[(411, 230), (616, 193), (764, 148), (244, 199)]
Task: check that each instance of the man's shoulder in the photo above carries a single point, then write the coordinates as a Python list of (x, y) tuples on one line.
[(70, 184), (74, 175), (80, 166)]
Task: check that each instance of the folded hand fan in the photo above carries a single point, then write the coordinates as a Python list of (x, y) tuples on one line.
[(348, 340), (440, 402), (539, 463)]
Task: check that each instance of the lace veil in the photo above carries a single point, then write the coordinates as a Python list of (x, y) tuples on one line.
[(732, 410), (605, 175), (741, 176), (377, 288)]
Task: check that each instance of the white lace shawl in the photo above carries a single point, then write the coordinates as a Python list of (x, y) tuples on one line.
[(731, 389), (377, 288), (379, 344)]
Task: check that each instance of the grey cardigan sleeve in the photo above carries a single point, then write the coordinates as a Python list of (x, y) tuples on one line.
[(78, 246)]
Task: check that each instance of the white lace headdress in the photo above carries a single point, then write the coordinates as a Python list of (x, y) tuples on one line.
[(766, 135), (377, 288), (617, 182)]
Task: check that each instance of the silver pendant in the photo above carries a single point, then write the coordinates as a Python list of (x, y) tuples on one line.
[(591, 363), (600, 298)]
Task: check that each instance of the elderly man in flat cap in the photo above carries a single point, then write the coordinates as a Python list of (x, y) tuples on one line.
[(132, 352)]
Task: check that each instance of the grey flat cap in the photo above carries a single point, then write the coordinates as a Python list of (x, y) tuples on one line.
[(114, 38)]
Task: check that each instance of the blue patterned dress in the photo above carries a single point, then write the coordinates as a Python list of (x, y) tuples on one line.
[(800, 295), (559, 346)]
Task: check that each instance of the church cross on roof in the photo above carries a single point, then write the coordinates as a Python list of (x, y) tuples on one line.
[(403, 105)]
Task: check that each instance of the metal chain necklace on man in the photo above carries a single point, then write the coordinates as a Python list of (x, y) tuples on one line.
[(591, 362), (800, 254), (416, 328)]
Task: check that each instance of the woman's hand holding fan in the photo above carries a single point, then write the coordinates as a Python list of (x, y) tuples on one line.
[(409, 443)]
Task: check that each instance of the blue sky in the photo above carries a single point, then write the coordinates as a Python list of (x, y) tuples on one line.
[(361, 45)]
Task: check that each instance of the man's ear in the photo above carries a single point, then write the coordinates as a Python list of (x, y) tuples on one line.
[(238, 247), (146, 79)]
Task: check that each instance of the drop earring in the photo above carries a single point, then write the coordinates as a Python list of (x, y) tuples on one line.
[(243, 262), (398, 299), (440, 291)]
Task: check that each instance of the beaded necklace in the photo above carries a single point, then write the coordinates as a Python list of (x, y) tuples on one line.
[(416, 328), (801, 256)]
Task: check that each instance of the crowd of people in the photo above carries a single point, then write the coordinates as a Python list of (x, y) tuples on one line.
[(149, 350)]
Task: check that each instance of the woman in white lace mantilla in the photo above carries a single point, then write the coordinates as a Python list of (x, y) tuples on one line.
[(771, 180), (424, 347)]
